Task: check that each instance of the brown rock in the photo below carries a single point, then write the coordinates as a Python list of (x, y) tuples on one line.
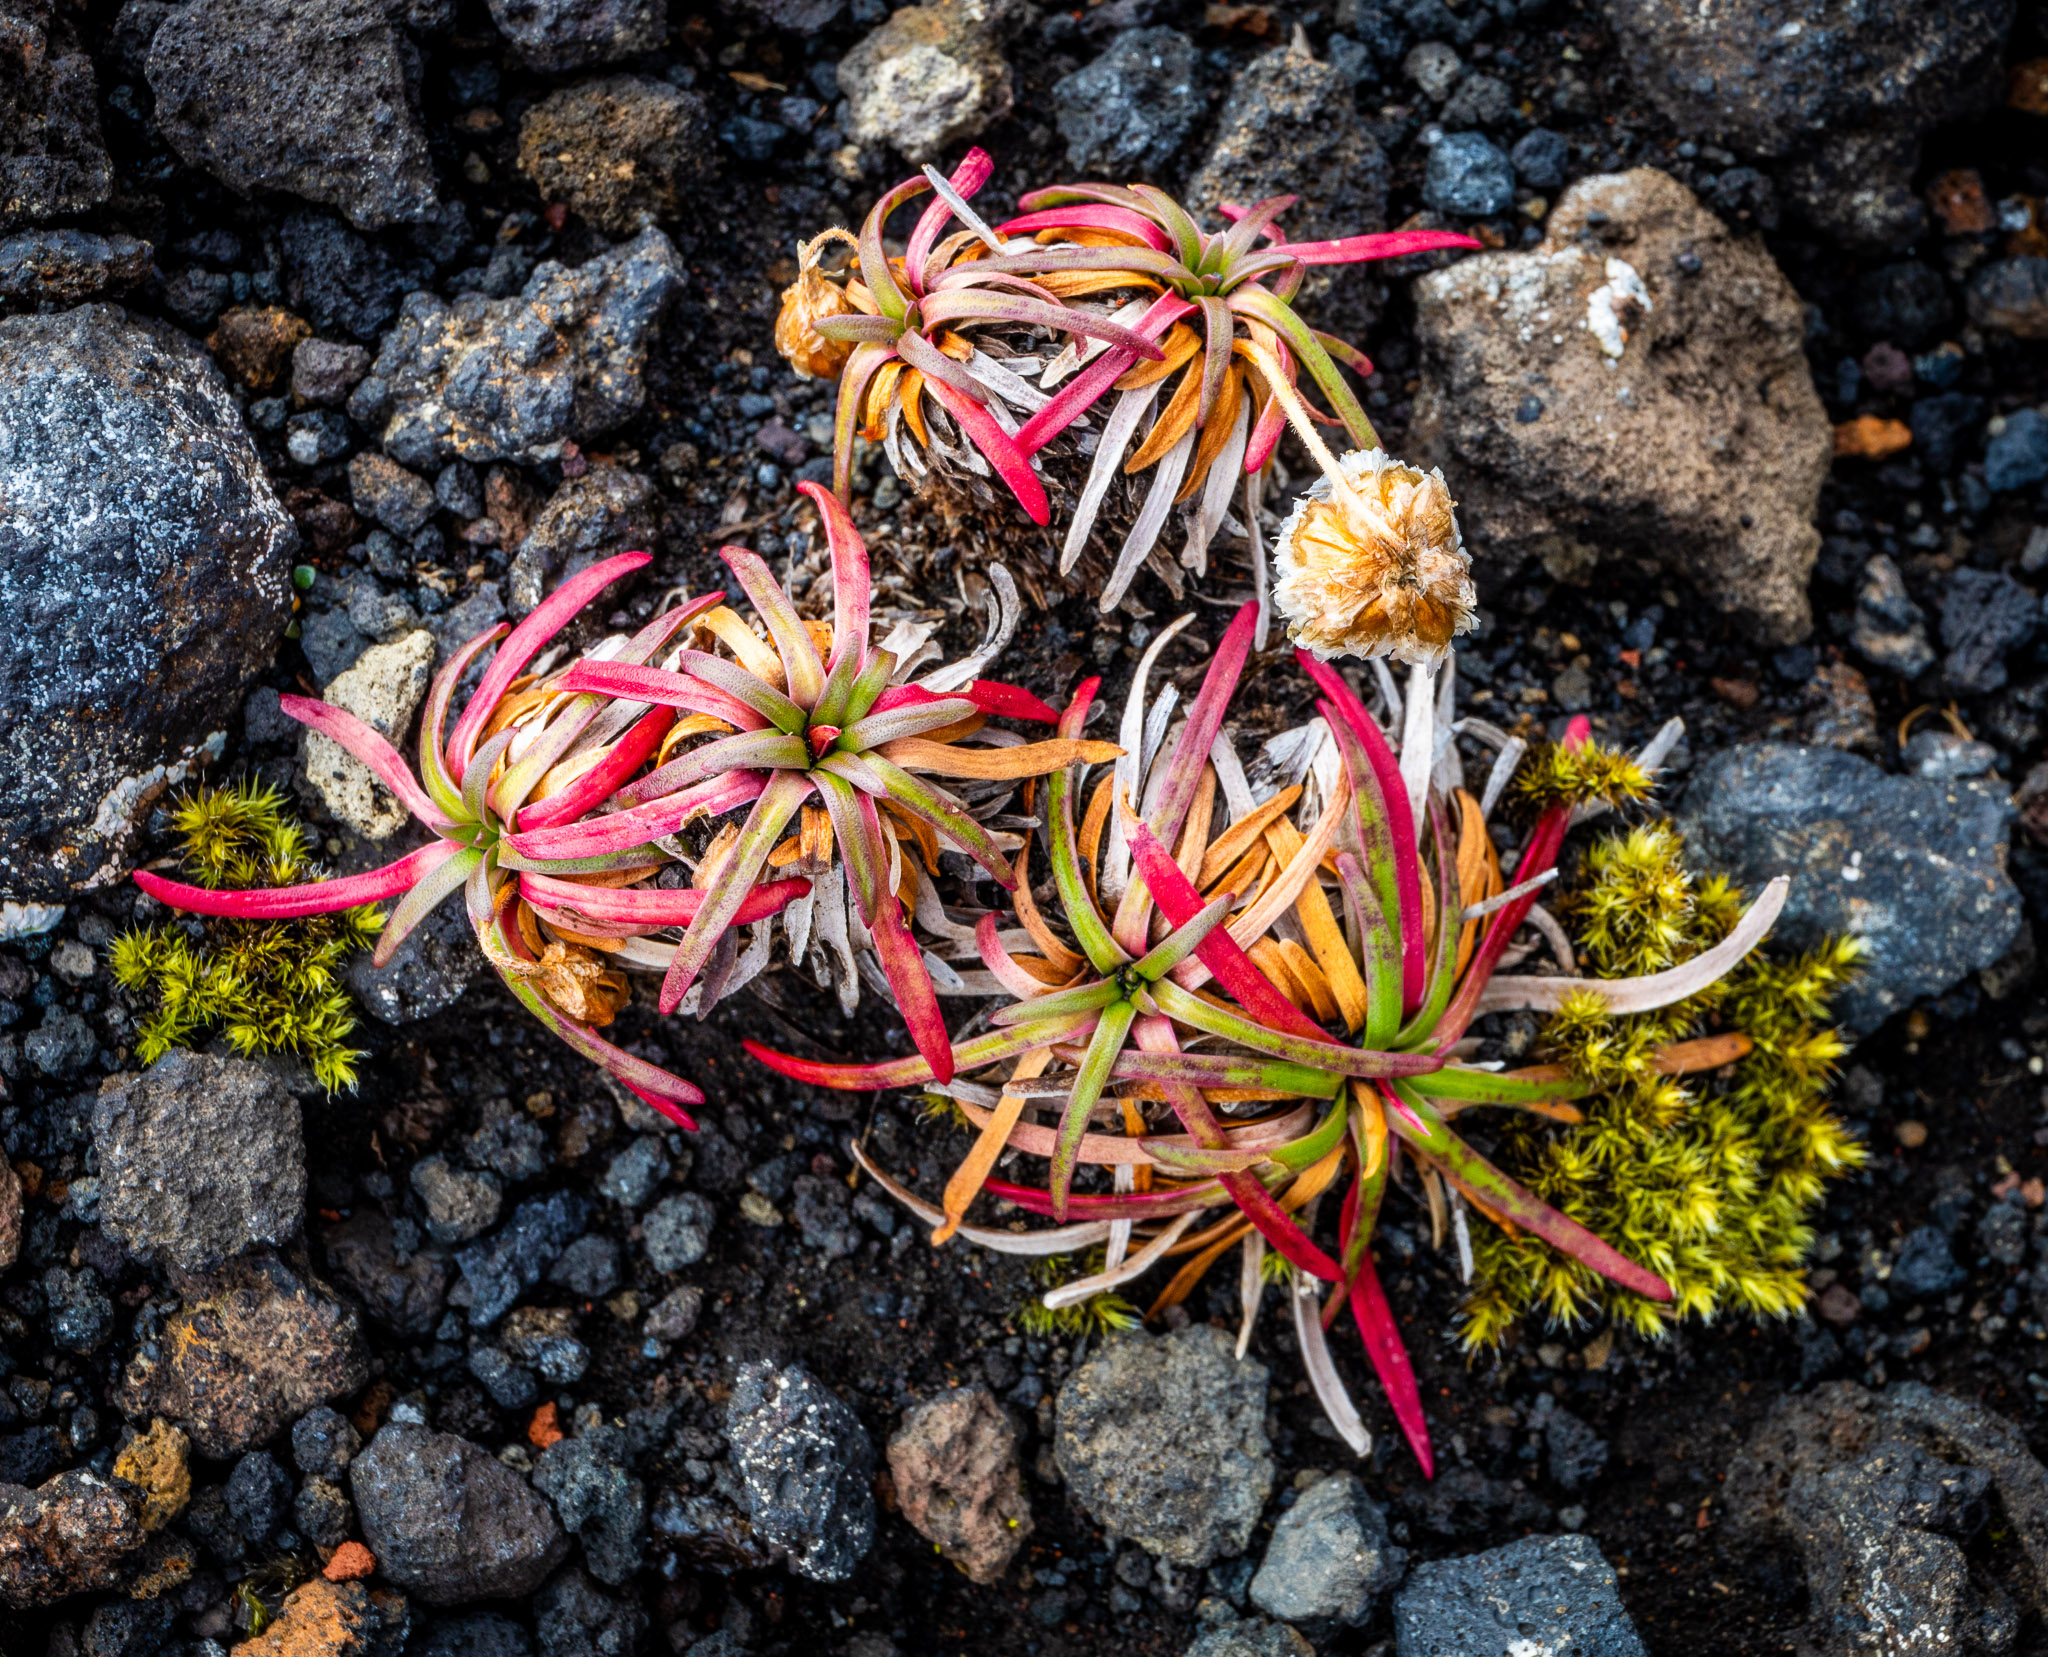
[(70, 1536), (1844, 714), (1839, 1305), (10, 1214), (254, 1347), (1872, 437), (319, 1619), (1636, 382), (253, 343), (954, 1461), (619, 151), (1958, 200), (155, 1465)]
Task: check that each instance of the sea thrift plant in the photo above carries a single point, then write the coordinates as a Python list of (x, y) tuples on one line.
[(1149, 1036), (1101, 306)]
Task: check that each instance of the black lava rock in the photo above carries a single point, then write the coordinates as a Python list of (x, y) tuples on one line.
[(1554, 1592), (1577, 1454), (503, 1266), (1127, 114), (148, 564), (807, 1468), (1925, 1266)]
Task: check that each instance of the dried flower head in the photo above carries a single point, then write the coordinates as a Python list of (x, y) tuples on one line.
[(1372, 565), (813, 295)]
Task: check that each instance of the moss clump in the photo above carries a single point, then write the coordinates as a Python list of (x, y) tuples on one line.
[(1706, 1180), (268, 986), (1099, 1314), (1556, 775)]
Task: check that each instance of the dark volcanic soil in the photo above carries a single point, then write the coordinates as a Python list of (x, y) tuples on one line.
[(895, 1321)]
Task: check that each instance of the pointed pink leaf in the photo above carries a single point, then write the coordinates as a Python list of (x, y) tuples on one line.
[(344, 729), (662, 687), (1088, 217), (852, 586), (421, 901), (648, 906), (1389, 1357), (1350, 250), (434, 769), (916, 1000), (619, 831), (800, 663), (318, 897), (605, 778), (972, 173), (549, 617)]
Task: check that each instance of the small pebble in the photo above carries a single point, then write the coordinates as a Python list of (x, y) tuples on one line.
[(1911, 1134)]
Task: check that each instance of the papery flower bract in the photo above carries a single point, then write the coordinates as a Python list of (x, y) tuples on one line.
[(808, 300), (1382, 573)]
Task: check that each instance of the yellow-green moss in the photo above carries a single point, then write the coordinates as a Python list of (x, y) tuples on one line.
[(1707, 1180), (268, 986)]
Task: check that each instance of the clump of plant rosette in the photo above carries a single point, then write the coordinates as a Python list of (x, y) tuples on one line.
[(1252, 1013), (556, 801), (1038, 351)]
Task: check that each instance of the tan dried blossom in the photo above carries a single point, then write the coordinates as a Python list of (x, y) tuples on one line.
[(1373, 565), (813, 295), (580, 985)]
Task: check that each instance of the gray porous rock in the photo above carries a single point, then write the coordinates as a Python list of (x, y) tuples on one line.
[(425, 975), (71, 1535), (806, 1466), (1469, 176), (1884, 1495), (253, 1347), (310, 97), (460, 1202), (1127, 113), (1835, 95), (1888, 629), (53, 160), (1635, 385), (406, 1293), (598, 1500), (199, 1157), (1543, 1593), (1913, 866), (68, 267), (144, 576), (1330, 1557), (606, 510), (574, 34), (1233, 1636), (516, 378), (2011, 294), (1163, 1441), (677, 1231), (341, 282), (503, 1266), (449, 1522), (931, 77), (576, 1618), (622, 151), (383, 688)]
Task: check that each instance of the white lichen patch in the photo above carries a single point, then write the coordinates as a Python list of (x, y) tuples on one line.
[(1617, 302)]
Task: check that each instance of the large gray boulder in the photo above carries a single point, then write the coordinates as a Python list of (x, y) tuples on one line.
[(144, 575), (1913, 866), (311, 97), (1635, 385)]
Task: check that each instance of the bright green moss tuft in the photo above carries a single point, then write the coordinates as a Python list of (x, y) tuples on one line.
[(268, 986), (1556, 775), (1707, 1180)]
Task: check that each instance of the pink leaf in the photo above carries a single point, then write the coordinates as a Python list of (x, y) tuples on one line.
[(1089, 216), (344, 729), (662, 687), (998, 446), (916, 1000), (605, 778), (1389, 1356), (1352, 249), (645, 906), (319, 897)]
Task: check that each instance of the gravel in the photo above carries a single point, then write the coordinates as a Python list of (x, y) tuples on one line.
[(806, 1466), (1546, 1593), (1330, 1558)]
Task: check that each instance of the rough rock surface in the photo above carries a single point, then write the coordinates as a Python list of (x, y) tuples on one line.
[(1914, 866), (954, 1460), (144, 573), (383, 689), (1250, 1637), (1291, 127), (1126, 114), (806, 1466), (403, 1294), (607, 510), (426, 975), (1163, 1441), (68, 267), (450, 1523), (304, 96), (1881, 1494), (1634, 384), (597, 1499), (2012, 294), (68, 1536), (1330, 1557), (199, 1157), (620, 151), (321, 1619), (253, 1347), (573, 34), (575, 1618), (53, 160), (931, 77), (514, 379), (1544, 1593), (1839, 93)]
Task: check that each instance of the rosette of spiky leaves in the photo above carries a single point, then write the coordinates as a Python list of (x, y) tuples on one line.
[(1124, 1006), (501, 772), (809, 717), (268, 986), (1192, 335), (911, 314), (1709, 1177)]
